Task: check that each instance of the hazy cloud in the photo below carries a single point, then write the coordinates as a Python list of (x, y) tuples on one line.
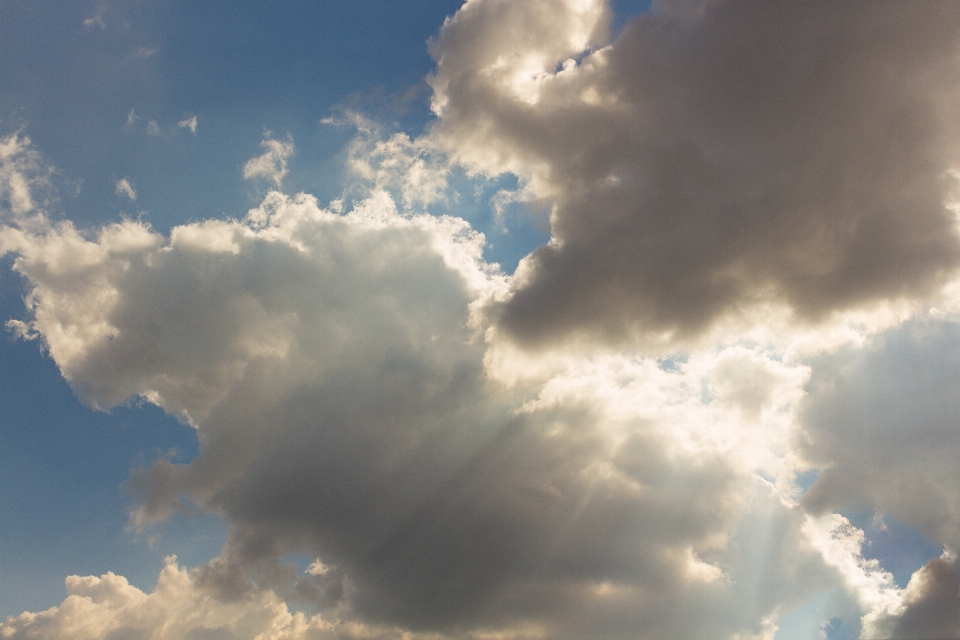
[(715, 155), (189, 124), (95, 22)]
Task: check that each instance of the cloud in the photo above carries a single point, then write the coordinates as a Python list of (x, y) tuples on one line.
[(714, 156), (882, 421), (189, 123), (21, 174), (272, 165), (335, 368), (95, 22), (178, 608), (931, 605), (153, 129), (358, 403), (124, 188), (413, 169)]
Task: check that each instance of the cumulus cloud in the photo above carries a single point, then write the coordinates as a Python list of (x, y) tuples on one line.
[(357, 402), (334, 365), (124, 188), (272, 164), (714, 155)]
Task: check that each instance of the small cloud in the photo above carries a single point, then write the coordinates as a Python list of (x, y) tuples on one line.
[(131, 119), (145, 52), (189, 123), (153, 129), (124, 188), (94, 22), (272, 164)]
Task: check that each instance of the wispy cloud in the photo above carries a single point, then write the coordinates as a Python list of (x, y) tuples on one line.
[(95, 22), (189, 123), (124, 188), (272, 164), (411, 168)]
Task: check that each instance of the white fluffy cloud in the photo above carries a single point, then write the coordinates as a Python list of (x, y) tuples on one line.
[(109, 607)]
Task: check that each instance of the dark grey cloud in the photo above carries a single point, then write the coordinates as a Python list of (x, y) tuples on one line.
[(716, 154)]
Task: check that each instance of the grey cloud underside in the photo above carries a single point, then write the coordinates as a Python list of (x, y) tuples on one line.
[(730, 152)]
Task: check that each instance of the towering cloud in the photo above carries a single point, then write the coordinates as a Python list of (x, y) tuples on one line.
[(715, 155)]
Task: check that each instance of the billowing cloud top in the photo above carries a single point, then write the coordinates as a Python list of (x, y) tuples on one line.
[(715, 155)]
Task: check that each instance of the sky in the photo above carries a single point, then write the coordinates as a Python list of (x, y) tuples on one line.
[(484, 320)]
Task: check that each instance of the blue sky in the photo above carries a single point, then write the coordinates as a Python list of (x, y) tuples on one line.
[(252, 324)]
